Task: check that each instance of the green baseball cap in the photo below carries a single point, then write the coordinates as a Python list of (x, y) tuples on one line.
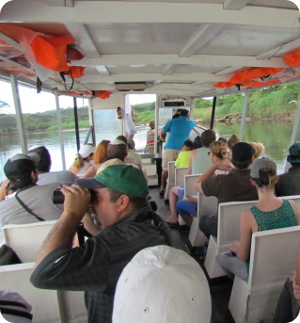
[(123, 178)]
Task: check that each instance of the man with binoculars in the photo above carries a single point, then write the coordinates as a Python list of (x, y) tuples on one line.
[(128, 225)]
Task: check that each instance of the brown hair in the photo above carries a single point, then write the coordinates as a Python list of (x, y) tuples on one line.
[(101, 151), (233, 140)]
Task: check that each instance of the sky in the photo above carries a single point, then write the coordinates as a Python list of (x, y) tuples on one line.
[(31, 102)]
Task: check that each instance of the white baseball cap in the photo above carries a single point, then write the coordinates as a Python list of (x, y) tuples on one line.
[(86, 150), (162, 284)]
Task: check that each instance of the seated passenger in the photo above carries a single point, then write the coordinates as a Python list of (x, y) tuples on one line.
[(129, 226), (289, 183), (30, 202), (234, 186), (188, 208), (269, 213), (132, 154), (83, 160), (162, 284), (258, 149), (199, 161), (99, 156), (43, 167), (183, 158), (149, 148), (288, 305), (118, 149)]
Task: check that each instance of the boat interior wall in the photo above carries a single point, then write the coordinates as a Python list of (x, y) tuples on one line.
[(195, 48), (114, 101)]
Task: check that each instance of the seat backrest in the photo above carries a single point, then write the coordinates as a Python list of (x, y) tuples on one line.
[(229, 214), (180, 172), (189, 185), (273, 256), (206, 205), (45, 306), (26, 239), (229, 218), (171, 172)]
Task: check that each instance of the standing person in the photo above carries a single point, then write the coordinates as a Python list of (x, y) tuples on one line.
[(129, 118), (179, 129), (83, 160), (289, 183), (150, 138), (270, 212), (128, 224)]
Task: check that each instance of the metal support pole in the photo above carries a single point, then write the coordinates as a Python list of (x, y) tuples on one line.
[(244, 114), (19, 115), (212, 118), (76, 124), (59, 128), (91, 121)]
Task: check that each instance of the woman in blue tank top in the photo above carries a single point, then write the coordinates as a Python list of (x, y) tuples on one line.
[(269, 213)]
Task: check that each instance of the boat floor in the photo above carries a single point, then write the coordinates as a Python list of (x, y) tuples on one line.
[(220, 288)]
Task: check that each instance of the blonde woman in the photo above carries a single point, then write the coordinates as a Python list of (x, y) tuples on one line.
[(82, 161), (188, 208), (258, 147)]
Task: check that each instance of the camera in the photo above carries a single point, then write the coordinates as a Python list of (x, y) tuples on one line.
[(59, 198)]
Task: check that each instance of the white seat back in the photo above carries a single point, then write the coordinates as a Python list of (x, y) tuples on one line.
[(229, 214), (180, 172), (206, 205), (272, 259), (171, 173), (45, 307), (26, 239), (189, 182)]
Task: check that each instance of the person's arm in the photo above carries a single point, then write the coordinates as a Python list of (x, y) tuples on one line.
[(191, 158), (4, 189), (76, 204), (242, 248), (210, 172)]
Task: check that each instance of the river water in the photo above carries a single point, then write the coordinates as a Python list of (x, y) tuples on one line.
[(275, 135)]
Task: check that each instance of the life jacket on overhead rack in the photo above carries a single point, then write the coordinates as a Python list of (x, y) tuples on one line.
[(251, 77)]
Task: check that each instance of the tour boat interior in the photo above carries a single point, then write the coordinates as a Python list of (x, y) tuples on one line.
[(179, 50)]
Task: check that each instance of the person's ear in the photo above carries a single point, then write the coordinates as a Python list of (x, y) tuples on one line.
[(122, 202), (34, 176)]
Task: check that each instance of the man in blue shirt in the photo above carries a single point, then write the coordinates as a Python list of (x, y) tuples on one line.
[(179, 130)]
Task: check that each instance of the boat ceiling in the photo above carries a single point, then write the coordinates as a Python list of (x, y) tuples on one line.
[(176, 48)]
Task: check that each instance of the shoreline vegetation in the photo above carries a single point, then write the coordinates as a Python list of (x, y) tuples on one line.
[(274, 103)]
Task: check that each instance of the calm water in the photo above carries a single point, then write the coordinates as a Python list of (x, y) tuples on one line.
[(275, 136)]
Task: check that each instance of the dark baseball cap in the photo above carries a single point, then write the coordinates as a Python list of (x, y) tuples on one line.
[(20, 165), (242, 152), (120, 177)]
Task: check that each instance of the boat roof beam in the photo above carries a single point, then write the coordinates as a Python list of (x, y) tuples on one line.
[(236, 4)]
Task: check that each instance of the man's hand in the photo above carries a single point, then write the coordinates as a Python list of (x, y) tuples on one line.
[(77, 200)]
